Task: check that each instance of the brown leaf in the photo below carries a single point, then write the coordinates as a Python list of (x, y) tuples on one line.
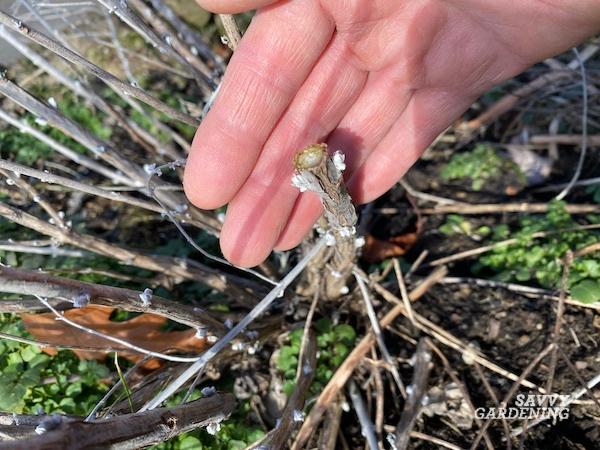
[(377, 250), (143, 330)]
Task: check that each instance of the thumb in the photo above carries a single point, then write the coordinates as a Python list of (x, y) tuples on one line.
[(233, 6)]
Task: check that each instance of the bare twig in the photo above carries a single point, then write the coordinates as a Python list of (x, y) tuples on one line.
[(512, 391), (584, 129), (235, 331), (495, 208), (168, 266), (76, 59), (18, 281), (129, 431), (47, 177), (417, 391), (567, 261), (487, 248), (233, 36), (387, 357), (343, 373), (365, 422), (190, 36), (77, 158), (123, 344)]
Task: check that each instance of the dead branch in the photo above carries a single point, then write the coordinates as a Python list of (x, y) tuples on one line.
[(189, 36), (63, 150), (166, 265), (201, 70), (495, 208), (129, 431), (76, 59), (18, 281), (343, 373), (72, 129), (417, 391), (232, 31), (260, 308)]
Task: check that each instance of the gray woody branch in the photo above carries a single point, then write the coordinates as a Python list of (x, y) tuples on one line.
[(18, 281), (79, 61), (129, 431)]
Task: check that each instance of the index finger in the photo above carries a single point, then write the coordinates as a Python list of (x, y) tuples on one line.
[(277, 53)]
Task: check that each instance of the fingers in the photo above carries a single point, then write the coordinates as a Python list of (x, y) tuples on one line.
[(428, 114), (233, 6), (379, 106), (274, 58), (257, 214), (385, 158)]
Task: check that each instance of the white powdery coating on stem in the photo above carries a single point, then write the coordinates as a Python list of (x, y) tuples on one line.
[(81, 300), (300, 182), (339, 161), (208, 391), (213, 428), (347, 231), (329, 240), (146, 297), (298, 415)]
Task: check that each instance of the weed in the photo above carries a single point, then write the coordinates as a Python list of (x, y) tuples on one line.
[(456, 224), (540, 259), (479, 165), (334, 343), (31, 380)]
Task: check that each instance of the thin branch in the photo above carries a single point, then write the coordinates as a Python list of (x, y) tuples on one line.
[(513, 390), (261, 307), (18, 281), (293, 411), (584, 128), (387, 357), (231, 30), (169, 266), (72, 129), (76, 59), (365, 422), (567, 261), (190, 36), (47, 177), (506, 242), (77, 158), (129, 431), (495, 208), (343, 373), (417, 392)]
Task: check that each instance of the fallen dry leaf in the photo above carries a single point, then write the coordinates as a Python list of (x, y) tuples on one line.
[(377, 250), (143, 330)]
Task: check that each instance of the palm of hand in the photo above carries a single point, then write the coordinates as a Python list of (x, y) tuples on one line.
[(377, 79)]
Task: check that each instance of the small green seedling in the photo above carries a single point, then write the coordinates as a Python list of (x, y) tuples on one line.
[(479, 166), (334, 343), (539, 259)]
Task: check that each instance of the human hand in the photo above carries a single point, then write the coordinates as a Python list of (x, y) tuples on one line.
[(376, 79)]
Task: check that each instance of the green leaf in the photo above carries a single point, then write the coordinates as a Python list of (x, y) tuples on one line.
[(30, 352), (587, 291), (190, 443), (345, 333)]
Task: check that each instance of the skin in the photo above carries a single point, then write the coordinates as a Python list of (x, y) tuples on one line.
[(377, 79)]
